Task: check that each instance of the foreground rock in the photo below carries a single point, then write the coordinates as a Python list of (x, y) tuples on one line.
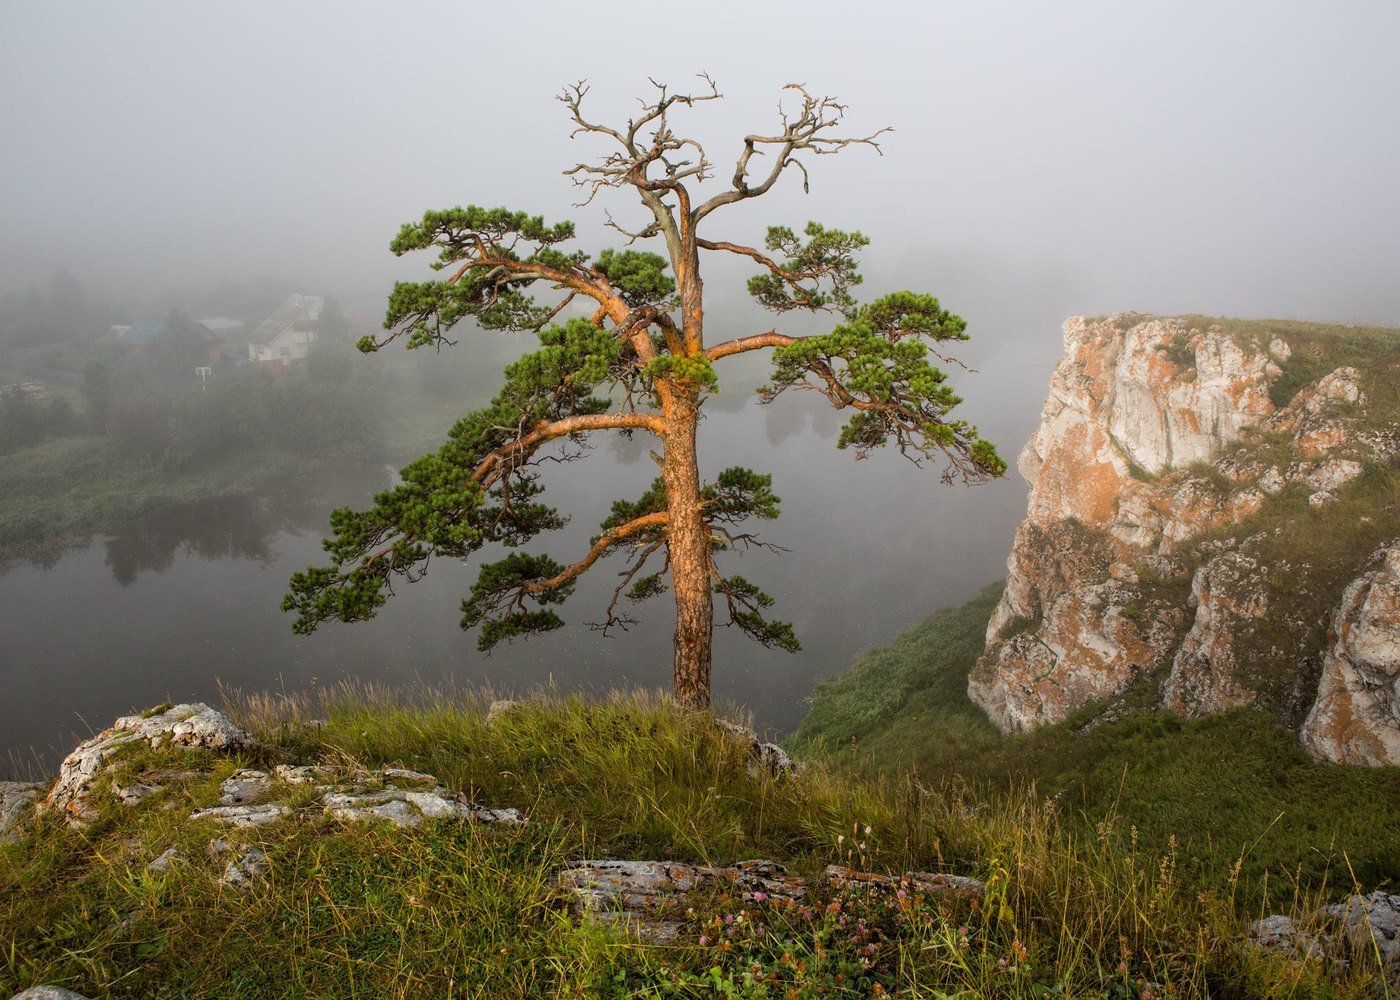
[(48, 993), (650, 897), (18, 800), (1371, 922), (1366, 925), (1155, 432), (194, 726)]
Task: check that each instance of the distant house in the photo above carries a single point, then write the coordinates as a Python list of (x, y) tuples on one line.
[(222, 336), (140, 333), (287, 335)]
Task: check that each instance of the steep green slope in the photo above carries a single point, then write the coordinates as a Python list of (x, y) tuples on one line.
[(1226, 789)]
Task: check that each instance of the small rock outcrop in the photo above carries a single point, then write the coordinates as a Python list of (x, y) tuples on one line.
[(1367, 925), (18, 800), (1158, 439), (764, 758), (195, 726), (402, 797)]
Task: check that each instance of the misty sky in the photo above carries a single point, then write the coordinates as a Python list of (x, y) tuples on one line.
[(1171, 157)]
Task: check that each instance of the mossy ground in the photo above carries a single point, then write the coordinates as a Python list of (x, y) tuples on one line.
[(452, 909)]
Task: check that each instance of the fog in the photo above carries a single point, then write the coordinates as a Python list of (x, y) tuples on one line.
[(1046, 159)]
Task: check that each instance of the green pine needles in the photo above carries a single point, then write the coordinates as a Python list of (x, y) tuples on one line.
[(638, 361)]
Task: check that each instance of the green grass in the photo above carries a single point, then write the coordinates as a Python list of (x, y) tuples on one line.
[(459, 910)]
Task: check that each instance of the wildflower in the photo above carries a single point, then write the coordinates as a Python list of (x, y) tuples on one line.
[(759, 897), (834, 906), (902, 894), (867, 829), (704, 940)]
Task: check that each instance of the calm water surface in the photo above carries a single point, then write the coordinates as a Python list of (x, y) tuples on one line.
[(169, 607)]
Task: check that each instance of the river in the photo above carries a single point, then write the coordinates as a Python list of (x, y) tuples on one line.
[(171, 606)]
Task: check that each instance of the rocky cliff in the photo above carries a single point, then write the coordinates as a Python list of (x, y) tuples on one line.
[(1214, 519)]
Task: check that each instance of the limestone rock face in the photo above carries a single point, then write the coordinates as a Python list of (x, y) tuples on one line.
[(1356, 718), (1158, 436), (1129, 401), (1225, 595)]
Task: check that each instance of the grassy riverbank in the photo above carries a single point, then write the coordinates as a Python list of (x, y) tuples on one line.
[(59, 493), (452, 909)]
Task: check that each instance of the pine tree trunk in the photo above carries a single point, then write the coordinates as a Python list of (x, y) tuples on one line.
[(689, 546)]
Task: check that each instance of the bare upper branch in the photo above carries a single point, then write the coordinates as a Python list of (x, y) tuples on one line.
[(809, 131)]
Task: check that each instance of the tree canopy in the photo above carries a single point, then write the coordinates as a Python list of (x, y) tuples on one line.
[(637, 361)]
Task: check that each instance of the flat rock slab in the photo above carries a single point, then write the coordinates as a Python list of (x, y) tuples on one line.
[(245, 787), (647, 896), (48, 993), (196, 725), (242, 817)]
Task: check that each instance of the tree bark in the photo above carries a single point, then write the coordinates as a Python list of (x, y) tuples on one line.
[(688, 543)]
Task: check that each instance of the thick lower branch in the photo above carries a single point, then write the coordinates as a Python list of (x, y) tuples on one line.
[(600, 548), (549, 430)]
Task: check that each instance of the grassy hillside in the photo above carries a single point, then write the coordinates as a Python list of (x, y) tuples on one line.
[(453, 909)]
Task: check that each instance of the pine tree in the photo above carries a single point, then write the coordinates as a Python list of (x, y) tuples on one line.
[(639, 363)]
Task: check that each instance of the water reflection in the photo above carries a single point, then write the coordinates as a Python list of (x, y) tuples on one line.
[(225, 528)]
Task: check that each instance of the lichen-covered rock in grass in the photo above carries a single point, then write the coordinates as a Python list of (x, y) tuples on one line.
[(163, 861), (240, 872), (499, 709), (1279, 934), (195, 726), (1356, 718), (649, 898), (18, 800), (48, 993), (245, 787), (765, 758), (1371, 922)]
